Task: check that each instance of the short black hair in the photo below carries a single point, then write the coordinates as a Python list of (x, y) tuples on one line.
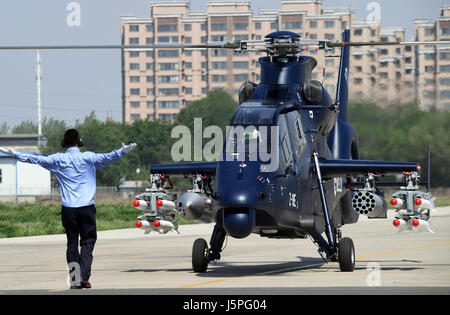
[(71, 139)]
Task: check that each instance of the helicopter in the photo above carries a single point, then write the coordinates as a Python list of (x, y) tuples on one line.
[(315, 182)]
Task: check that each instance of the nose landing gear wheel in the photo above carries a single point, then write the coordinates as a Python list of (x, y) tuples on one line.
[(200, 255), (346, 254)]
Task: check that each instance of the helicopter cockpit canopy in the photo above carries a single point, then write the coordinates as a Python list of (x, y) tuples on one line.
[(254, 114)]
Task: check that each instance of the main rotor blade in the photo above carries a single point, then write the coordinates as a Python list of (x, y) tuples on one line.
[(406, 43), (234, 45)]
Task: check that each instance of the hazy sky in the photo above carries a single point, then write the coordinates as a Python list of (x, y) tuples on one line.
[(75, 83)]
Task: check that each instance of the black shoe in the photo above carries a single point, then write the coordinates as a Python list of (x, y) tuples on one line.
[(85, 285)]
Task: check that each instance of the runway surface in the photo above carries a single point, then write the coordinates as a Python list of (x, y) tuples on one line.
[(129, 262)]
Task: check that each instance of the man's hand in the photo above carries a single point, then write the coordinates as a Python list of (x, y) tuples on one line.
[(8, 151), (128, 148)]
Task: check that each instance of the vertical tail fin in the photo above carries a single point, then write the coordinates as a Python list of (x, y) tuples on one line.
[(342, 84), (342, 140)]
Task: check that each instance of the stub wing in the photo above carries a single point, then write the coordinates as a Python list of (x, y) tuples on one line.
[(353, 168)]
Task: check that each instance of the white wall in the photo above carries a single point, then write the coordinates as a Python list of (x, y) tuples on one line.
[(8, 184), (31, 179)]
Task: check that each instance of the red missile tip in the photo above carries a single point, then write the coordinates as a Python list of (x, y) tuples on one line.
[(159, 203), (418, 202), (396, 222), (415, 222), (138, 224), (156, 224), (136, 203), (394, 201)]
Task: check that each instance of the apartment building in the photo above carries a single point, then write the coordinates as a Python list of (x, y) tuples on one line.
[(157, 83), (433, 62)]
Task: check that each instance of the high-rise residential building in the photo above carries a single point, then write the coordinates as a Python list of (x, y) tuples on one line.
[(157, 83), (433, 62)]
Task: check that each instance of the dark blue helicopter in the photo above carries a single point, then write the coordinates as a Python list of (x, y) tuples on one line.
[(308, 192), (315, 182)]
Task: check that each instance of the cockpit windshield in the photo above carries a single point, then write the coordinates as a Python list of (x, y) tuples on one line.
[(254, 114)]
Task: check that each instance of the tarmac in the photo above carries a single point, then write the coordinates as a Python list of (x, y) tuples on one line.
[(129, 262)]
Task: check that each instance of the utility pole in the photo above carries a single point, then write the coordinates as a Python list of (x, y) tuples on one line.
[(38, 81)]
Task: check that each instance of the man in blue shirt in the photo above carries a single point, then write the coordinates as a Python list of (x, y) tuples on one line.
[(75, 172)]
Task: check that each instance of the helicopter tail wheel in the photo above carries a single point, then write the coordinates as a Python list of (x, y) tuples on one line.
[(346, 254), (200, 255)]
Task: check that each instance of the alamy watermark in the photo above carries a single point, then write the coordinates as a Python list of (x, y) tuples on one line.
[(73, 19), (374, 277), (241, 143)]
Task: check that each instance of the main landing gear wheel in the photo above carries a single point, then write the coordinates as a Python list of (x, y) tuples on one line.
[(200, 255), (346, 254)]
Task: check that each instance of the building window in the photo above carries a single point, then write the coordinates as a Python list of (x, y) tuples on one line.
[(445, 31), (218, 38), (135, 104), (168, 39), (218, 27), (241, 26), (134, 28), (134, 54), (149, 27), (168, 92), (444, 56), (150, 116), (240, 37), (445, 81), (445, 68), (257, 25), (135, 91), (150, 53), (168, 28), (313, 24), (188, 91), (430, 69), (357, 32), (149, 66), (168, 117), (219, 78), (134, 66), (149, 79), (168, 79), (274, 25), (291, 25), (329, 24), (240, 77), (218, 52), (134, 41), (187, 27), (219, 65), (151, 104), (168, 66), (134, 79), (188, 40), (169, 104), (134, 117), (168, 53), (240, 64)]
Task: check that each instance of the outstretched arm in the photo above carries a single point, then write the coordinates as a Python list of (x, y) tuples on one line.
[(47, 162), (104, 159)]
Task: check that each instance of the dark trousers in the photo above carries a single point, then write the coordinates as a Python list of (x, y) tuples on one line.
[(80, 223)]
